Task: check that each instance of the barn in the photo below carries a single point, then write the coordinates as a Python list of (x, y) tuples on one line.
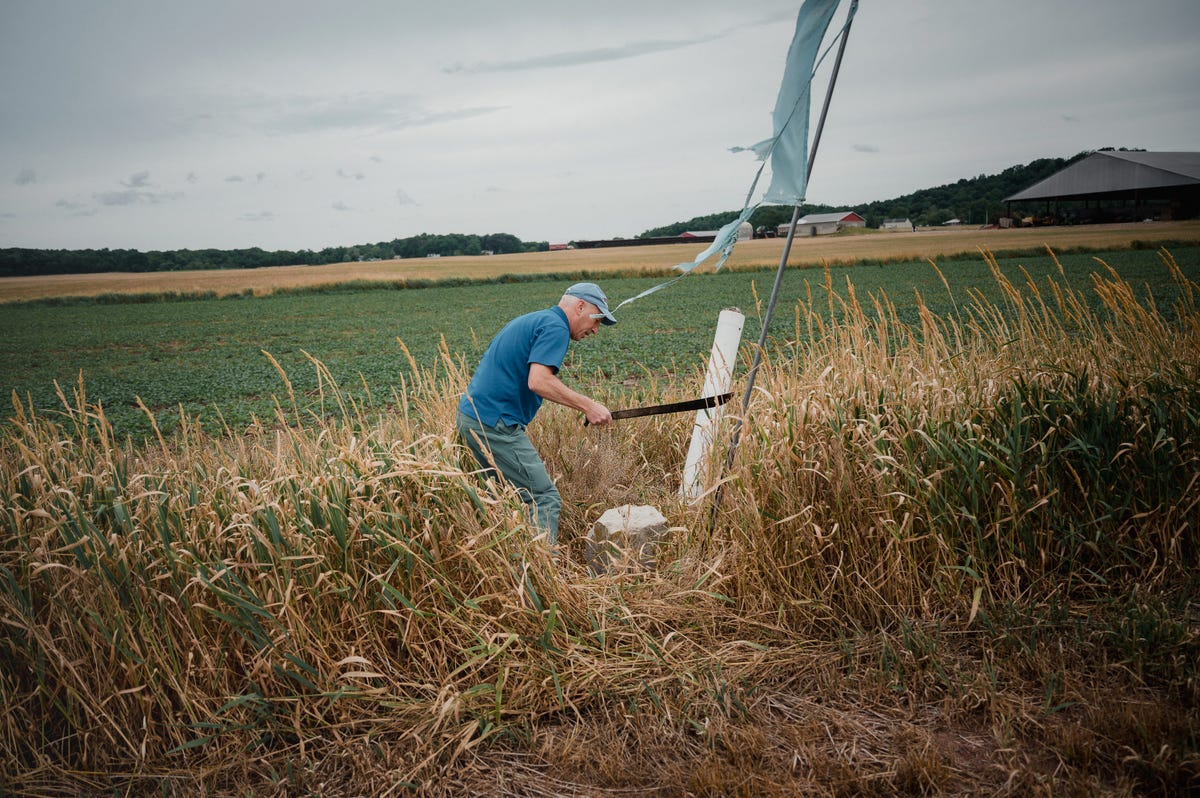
[(1116, 186), (820, 224), (745, 232)]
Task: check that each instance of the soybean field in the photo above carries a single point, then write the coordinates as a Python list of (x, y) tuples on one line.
[(215, 359)]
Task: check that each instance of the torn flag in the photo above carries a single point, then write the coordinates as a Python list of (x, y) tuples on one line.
[(788, 146)]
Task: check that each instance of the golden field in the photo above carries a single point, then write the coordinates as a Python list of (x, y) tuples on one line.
[(846, 248)]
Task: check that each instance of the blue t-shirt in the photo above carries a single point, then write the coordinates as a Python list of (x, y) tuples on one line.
[(499, 390)]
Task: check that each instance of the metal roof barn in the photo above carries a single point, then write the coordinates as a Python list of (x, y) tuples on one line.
[(1158, 184), (1115, 173), (841, 217)]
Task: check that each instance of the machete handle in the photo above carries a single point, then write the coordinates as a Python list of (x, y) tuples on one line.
[(704, 403)]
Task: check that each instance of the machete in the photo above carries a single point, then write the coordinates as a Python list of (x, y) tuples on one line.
[(671, 407)]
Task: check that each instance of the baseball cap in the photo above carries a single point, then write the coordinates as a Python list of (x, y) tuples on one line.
[(590, 292)]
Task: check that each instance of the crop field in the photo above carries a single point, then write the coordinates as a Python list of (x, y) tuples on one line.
[(955, 553), (854, 246), (219, 360)]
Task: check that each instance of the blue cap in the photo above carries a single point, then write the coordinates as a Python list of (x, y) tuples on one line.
[(590, 292)]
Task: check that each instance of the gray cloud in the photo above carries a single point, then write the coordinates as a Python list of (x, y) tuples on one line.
[(580, 57), (425, 118), (299, 114), (135, 197), (137, 180), (258, 178), (340, 206), (342, 173), (865, 148), (601, 55), (25, 177), (403, 198), (76, 209), (262, 216)]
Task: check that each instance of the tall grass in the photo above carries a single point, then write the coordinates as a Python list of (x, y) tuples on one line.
[(1048, 443), (951, 556)]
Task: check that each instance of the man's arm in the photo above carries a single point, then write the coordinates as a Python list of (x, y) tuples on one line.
[(546, 384)]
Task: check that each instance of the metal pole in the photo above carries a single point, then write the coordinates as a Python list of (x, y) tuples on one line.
[(787, 248)]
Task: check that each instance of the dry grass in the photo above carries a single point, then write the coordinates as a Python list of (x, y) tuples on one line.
[(951, 558), (649, 259)]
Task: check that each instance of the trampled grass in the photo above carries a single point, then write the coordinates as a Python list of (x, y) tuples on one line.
[(956, 554)]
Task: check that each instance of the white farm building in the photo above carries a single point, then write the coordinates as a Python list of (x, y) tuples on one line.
[(821, 224)]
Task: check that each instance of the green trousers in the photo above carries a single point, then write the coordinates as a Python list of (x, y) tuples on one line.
[(507, 450)]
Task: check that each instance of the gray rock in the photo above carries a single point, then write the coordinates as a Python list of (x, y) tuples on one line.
[(625, 536)]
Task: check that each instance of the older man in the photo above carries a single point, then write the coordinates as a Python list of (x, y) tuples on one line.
[(519, 370)]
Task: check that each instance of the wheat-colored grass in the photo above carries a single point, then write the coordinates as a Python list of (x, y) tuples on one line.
[(954, 557), (764, 253)]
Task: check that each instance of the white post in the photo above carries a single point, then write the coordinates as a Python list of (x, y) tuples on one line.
[(717, 380)]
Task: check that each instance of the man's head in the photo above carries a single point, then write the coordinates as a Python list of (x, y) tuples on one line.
[(586, 307)]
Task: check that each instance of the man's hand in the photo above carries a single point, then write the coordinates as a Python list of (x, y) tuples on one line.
[(546, 384), (598, 415)]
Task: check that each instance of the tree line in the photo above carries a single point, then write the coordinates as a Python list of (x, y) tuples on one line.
[(32, 262), (766, 216), (976, 200)]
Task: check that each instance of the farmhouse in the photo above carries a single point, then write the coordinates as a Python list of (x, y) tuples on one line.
[(820, 224), (1110, 186)]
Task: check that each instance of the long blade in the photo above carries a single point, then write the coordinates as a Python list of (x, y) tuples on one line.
[(671, 407)]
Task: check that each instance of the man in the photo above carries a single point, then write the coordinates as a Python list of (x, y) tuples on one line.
[(519, 370)]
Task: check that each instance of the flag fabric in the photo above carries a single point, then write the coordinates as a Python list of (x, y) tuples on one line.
[(787, 148), (725, 239), (789, 144)]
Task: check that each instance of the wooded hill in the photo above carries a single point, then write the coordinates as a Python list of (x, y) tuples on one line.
[(974, 200)]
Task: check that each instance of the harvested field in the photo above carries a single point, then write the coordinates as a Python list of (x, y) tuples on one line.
[(851, 248)]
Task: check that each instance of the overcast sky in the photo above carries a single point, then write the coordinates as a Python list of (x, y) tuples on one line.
[(168, 124)]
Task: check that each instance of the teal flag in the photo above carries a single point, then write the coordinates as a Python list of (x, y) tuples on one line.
[(723, 243), (788, 145), (787, 148)]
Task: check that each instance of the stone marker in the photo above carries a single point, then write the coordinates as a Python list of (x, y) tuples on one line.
[(629, 532)]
